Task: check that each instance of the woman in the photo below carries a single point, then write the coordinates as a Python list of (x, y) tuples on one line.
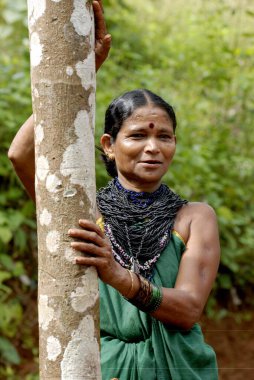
[(156, 255)]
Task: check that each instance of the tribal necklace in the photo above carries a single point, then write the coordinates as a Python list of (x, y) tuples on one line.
[(138, 225)]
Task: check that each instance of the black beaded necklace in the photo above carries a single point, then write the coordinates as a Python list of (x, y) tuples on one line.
[(142, 199), (138, 224)]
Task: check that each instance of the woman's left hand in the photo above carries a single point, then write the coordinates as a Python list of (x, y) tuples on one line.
[(93, 242)]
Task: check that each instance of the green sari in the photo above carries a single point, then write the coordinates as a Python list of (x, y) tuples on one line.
[(135, 346)]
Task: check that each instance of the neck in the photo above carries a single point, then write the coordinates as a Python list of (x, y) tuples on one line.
[(137, 187), (142, 198)]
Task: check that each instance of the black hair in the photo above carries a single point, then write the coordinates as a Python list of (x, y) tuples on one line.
[(122, 108)]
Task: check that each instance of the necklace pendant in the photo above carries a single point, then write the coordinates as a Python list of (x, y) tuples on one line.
[(134, 265)]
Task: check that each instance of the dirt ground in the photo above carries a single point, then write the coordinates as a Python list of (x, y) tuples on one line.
[(233, 343)]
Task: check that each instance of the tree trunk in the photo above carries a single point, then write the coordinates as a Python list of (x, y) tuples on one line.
[(63, 93)]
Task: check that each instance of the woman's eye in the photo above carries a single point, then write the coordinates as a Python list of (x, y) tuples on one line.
[(137, 135), (166, 137)]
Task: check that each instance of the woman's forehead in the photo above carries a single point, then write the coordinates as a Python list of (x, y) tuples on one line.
[(151, 121), (147, 116), (149, 112)]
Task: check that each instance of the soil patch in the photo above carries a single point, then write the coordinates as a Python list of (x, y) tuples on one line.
[(233, 342)]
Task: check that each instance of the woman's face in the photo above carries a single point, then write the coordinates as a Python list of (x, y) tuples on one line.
[(143, 149)]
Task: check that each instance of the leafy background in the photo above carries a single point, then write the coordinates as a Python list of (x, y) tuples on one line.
[(198, 55)]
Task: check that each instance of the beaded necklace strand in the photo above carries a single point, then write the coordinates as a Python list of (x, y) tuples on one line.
[(138, 225)]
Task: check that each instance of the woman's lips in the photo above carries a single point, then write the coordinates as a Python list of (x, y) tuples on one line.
[(151, 163)]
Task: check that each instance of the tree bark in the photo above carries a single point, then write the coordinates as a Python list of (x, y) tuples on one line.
[(63, 93)]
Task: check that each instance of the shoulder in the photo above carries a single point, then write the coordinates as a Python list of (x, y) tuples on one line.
[(198, 210), (194, 215), (193, 210)]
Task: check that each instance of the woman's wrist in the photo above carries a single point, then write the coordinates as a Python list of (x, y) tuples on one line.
[(126, 283), (134, 286), (139, 291), (148, 298)]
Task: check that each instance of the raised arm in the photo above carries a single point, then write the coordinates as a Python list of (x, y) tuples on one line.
[(21, 152)]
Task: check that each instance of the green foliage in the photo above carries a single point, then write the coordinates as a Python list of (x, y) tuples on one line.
[(17, 225), (8, 351), (197, 55)]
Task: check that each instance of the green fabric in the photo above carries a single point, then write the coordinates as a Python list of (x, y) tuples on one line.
[(135, 346)]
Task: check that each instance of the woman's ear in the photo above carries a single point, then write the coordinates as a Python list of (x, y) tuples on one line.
[(108, 145)]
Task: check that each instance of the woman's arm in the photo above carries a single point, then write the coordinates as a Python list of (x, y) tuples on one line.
[(182, 305), (21, 152)]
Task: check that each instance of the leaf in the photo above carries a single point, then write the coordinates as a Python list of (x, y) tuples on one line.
[(10, 317), (5, 235), (15, 220), (225, 213), (18, 269), (7, 261), (9, 352), (3, 218), (20, 240), (4, 276)]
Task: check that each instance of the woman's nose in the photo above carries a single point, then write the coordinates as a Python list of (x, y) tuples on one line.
[(152, 146)]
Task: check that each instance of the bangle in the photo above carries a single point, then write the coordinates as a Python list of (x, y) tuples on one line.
[(148, 297), (132, 282), (156, 299)]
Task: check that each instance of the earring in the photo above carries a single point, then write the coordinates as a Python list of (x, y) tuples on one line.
[(110, 156)]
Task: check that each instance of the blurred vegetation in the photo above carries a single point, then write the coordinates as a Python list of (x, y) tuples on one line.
[(199, 56)]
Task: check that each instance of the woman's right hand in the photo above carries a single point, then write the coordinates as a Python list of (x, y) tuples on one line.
[(92, 242), (102, 38)]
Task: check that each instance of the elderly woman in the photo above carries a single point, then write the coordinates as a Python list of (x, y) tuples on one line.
[(156, 254)]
